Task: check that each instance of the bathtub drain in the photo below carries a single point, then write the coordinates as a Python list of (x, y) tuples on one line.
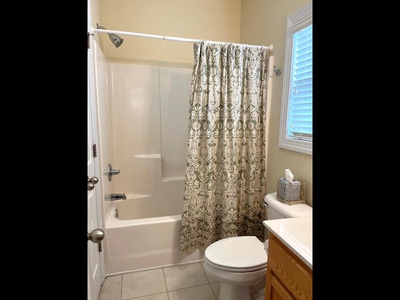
[(116, 213)]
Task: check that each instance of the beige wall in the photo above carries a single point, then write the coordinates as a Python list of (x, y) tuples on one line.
[(190, 19), (264, 22), (244, 21)]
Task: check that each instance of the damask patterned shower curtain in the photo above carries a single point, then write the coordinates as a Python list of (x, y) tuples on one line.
[(226, 164)]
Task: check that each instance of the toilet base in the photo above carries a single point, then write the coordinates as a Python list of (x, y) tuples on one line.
[(234, 292)]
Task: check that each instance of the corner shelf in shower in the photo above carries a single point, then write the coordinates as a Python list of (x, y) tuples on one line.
[(170, 175), (154, 156)]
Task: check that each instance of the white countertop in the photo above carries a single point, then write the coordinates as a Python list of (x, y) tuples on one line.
[(296, 233)]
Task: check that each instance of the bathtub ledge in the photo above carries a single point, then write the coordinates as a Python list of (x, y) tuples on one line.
[(175, 178)]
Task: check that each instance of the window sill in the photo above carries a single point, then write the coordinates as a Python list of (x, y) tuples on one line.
[(296, 145)]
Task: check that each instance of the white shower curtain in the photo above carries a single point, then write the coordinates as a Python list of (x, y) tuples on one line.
[(226, 164)]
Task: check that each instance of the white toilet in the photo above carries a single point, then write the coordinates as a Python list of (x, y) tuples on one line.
[(240, 263)]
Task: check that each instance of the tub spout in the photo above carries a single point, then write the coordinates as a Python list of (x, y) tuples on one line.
[(113, 197)]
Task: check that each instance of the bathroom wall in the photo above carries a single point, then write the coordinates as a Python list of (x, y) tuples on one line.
[(264, 22), (245, 21), (206, 19), (150, 106)]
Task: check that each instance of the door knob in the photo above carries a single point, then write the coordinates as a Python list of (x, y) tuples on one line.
[(96, 235), (91, 182)]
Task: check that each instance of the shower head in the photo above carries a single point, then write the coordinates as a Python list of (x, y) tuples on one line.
[(115, 39)]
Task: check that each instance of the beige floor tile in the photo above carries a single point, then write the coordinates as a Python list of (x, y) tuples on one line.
[(162, 296), (183, 276), (111, 288), (143, 283), (215, 286), (201, 292), (210, 279)]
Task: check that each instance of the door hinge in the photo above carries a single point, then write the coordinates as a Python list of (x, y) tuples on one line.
[(88, 40), (94, 150)]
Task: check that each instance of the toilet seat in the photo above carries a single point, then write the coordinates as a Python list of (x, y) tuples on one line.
[(237, 254)]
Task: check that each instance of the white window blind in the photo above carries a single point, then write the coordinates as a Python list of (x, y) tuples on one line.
[(296, 131), (300, 102)]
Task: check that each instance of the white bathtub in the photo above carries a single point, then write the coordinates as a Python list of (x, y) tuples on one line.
[(152, 241)]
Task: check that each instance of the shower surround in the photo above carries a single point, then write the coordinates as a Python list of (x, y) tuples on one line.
[(149, 108), (150, 121)]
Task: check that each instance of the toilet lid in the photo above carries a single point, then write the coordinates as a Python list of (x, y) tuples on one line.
[(240, 252)]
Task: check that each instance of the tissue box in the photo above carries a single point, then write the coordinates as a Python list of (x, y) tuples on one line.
[(290, 192)]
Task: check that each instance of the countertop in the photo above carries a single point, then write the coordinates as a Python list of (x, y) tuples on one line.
[(296, 233)]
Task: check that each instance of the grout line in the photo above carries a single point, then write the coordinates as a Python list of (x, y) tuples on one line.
[(165, 279), (156, 267), (122, 285)]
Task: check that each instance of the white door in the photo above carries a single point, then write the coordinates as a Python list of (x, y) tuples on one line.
[(96, 272)]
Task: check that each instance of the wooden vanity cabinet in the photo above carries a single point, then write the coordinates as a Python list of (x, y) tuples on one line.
[(288, 277)]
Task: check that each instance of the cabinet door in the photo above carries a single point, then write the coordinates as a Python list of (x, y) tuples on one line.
[(274, 290), (285, 271)]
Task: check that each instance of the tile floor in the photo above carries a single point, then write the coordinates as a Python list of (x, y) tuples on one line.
[(180, 282)]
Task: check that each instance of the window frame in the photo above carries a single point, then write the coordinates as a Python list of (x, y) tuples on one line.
[(295, 22)]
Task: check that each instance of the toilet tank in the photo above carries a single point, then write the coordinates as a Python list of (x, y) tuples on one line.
[(275, 209)]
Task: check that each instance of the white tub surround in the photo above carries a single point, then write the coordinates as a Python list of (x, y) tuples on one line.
[(150, 106), (148, 128)]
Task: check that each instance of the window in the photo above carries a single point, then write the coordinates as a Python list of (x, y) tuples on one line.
[(296, 112)]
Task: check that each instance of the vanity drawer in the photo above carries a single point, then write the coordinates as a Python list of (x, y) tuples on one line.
[(294, 274)]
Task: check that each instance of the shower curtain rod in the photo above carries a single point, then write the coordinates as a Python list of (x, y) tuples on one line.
[(160, 37)]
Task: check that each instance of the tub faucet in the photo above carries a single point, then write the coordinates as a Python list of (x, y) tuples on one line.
[(113, 197)]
